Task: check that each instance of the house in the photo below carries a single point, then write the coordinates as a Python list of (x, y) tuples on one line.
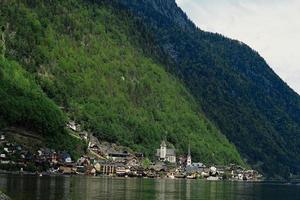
[(164, 154), (118, 156), (2, 138), (66, 170), (72, 125), (19, 148), (53, 158), (195, 168), (97, 166), (83, 161), (158, 167), (139, 155), (107, 168), (94, 143), (6, 150), (84, 135), (65, 157), (122, 171), (132, 162)]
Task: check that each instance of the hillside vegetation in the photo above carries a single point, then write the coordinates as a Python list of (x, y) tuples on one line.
[(238, 91), (97, 63), (23, 104)]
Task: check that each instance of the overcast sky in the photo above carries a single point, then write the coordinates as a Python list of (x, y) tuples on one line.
[(272, 27)]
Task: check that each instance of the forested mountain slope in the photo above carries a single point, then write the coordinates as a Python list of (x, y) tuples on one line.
[(236, 88), (103, 69)]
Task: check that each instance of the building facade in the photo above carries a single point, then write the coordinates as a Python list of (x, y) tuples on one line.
[(165, 154)]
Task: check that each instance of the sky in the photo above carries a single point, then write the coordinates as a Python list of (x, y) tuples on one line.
[(271, 27)]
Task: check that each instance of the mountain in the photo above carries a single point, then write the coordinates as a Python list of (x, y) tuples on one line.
[(135, 72), (96, 64), (234, 85)]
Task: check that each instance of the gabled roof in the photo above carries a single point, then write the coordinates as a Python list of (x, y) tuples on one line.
[(171, 152)]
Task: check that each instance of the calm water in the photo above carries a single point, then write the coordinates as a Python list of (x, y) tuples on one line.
[(80, 188)]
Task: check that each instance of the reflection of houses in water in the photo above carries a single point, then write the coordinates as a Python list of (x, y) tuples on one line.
[(188, 189), (167, 188), (160, 186)]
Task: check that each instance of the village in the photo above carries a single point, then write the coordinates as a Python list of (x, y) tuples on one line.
[(104, 159)]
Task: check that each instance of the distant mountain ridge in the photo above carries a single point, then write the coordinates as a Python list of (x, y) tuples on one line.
[(251, 105)]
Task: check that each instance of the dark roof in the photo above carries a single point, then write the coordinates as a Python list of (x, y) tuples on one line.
[(171, 152), (64, 155), (118, 154)]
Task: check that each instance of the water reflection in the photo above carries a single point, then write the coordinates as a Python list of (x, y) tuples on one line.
[(90, 188)]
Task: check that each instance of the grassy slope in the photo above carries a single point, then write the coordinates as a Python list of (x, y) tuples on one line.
[(86, 58)]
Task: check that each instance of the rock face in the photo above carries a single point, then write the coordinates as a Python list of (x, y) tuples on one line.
[(3, 196)]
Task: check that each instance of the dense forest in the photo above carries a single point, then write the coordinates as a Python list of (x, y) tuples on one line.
[(134, 72), (95, 64), (236, 88)]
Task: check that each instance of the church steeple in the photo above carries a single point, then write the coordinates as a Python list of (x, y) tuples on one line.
[(163, 150), (189, 157)]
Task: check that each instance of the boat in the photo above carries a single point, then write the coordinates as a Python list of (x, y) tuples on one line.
[(212, 178), (151, 175), (191, 177), (171, 176), (179, 176)]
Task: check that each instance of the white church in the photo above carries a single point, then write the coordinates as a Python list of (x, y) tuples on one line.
[(164, 154)]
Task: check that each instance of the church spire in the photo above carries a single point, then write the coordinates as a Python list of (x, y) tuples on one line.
[(189, 157)]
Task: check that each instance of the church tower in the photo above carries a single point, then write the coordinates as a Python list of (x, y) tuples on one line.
[(189, 157), (163, 150)]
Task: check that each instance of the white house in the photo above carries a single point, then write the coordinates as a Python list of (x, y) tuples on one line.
[(2, 137)]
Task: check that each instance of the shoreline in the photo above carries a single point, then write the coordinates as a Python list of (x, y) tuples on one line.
[(263, 181), (46, 174)]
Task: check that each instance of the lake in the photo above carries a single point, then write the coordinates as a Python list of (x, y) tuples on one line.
[(93, 188)]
